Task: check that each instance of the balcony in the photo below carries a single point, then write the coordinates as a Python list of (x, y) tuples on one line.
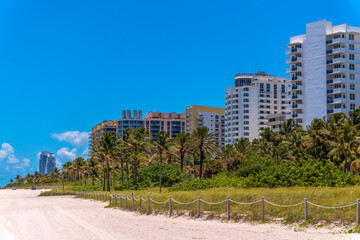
[(296, 78), (293, 60), (336, 90), (278, 122), (296, 87), (293, 51), (295, 106), (336, 50), (297, 115), (354, 51), (336, 60), (335, 110), (336, 80), (335, 70), (294, 69), (334, 41)]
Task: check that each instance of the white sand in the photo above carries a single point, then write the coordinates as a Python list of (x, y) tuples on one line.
[(23, 215)]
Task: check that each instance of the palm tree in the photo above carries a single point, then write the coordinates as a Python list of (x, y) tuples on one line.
[(204, 142), (18, 178), (78, 163), (242, 146), (105, 151), (163, 144), (136, 141), (182, 144)]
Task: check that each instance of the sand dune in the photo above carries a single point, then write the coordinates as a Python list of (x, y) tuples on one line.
[(23, 215)]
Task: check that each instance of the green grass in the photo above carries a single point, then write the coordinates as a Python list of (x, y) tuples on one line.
[(281, 196)]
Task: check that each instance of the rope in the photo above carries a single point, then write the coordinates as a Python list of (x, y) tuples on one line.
[(332, 207), (212, 203), (158, 202), (136, 199), (183, 203), (243, 202), (294, 205)]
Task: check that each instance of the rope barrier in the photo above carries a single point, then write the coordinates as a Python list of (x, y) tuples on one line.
[(331, 207), (277, 205), (158, 202), (211, 203), (183, 203)]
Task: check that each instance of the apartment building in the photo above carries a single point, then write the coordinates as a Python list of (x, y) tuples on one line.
[(129, 121), (275, 121), (98, 131), (210, 117), (173, 123), (324, 71), (47, 163), (249, 101)]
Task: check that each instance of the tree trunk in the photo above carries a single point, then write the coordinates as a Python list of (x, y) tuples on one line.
[(85, 180), (135, 170), (160, 171), (104, 177), (108, 175), (182, 162), (201, 162), (92, 180), (122, 175)]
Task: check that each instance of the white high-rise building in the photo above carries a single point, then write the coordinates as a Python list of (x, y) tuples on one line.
[(325, 71), (254, 96)]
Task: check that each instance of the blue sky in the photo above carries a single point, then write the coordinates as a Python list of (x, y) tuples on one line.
[(67, 65)]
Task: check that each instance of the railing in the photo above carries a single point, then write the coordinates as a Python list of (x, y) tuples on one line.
[(117, 199)]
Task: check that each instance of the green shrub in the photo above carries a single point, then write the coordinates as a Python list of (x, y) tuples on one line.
[(257, 171)]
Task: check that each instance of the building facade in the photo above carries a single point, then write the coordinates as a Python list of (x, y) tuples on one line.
[(98, 131), (129, 121), (275, 121), (249, 101), (324, 71), (210, 117), (47, 163), (173, 123)]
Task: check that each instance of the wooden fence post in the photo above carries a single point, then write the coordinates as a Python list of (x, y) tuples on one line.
[(357, 211), (170, 207), (120, 200), (110, 198), (126, 201), (115, 199), (305, 209), (148, 207), (228, 208), (132, 195), (198, 207), (262, 208), (140, 204)]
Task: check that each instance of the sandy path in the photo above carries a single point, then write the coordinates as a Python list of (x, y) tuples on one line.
[(23, 215)]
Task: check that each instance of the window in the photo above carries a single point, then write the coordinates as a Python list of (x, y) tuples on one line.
[(352, 86), (351, 37), (246, 128), (352, 76), (246, 111), (246, 105), (268, 87), (351, 56), (246, 100), (246, 94), (352, 66), (352, 96), (261, 87), (246, 122), (352, 106), (246, 89), (246, 117), (246, 134), (351, 46)]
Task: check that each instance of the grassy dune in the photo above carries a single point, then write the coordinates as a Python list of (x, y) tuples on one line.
[(282, 196)]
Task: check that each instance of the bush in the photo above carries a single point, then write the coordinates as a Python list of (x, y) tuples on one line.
[(257, 171)]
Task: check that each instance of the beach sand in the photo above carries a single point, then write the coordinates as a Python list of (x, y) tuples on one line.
[(24, 215)]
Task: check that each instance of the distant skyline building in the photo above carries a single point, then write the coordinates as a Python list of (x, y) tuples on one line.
[(129, 121), (324, 71), (173, 123), (47, 163), (210, 117), (249, 101)]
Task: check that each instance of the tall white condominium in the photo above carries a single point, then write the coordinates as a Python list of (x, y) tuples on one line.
[(254, 96), (325, 71)]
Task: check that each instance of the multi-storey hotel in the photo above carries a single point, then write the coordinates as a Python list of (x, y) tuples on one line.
[(325, 71), (210, 117), (129, 121), (98, 131), (249, 101), (173, 123)]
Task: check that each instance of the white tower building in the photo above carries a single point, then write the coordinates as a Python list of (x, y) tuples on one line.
[(325, 71), (254, 96)]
